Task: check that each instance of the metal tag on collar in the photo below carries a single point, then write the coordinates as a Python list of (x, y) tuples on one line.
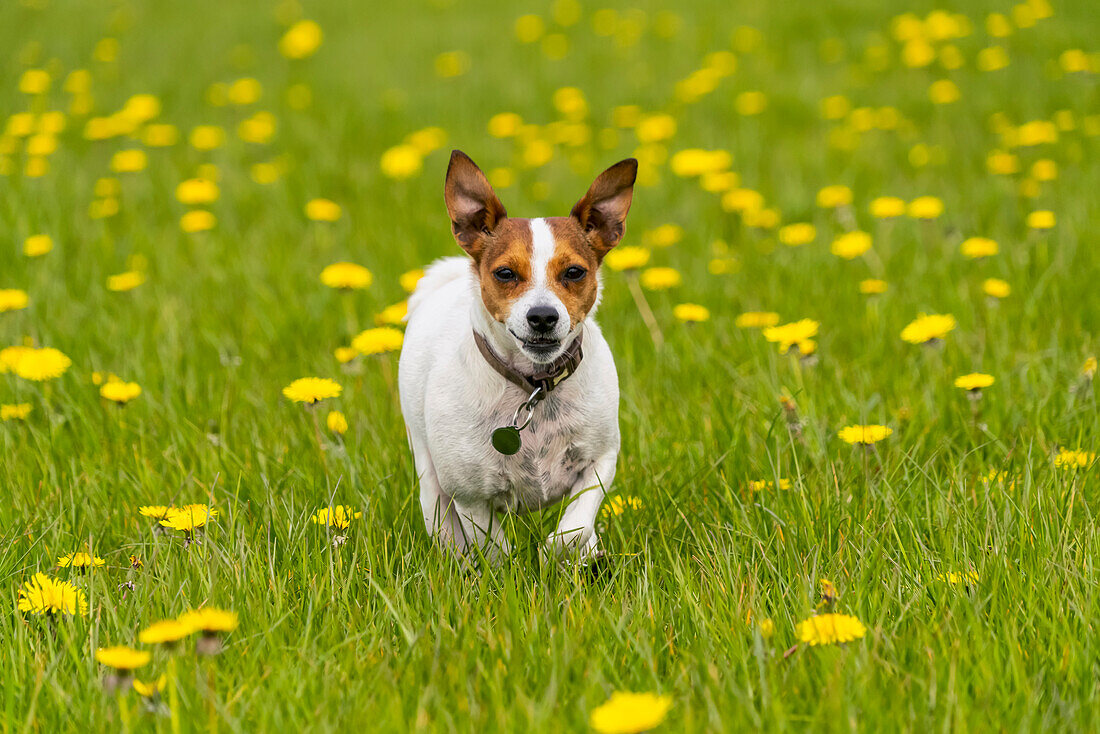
[(506, 439)]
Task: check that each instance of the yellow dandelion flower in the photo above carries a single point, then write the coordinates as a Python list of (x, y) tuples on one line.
[(1041, 219), (795, 333), (345, 354), (927, 327), (245, 91), (872, 286), (925, 207), (127, 281), (620, 503), (627, 257), (401, 162), (34, 81), (129, 161), (1088, 369), (974, 381), (742, 200), (1044, 169), (16, 412), (955, 578), (975, 247), (157, 512), (122, 657), (45, 595), (829, 629), (337, 422), (206, 137), (197, 220), (323, 210), (197, 191), (655, 127), (767, 628), (150, 689), (750, 103), (301, 40), (659, 279), (210, 620), (835, 196), (160, 135), (339, 516), (664, 235), (312, 389), (759, 485), (450, 64), (41, 364), (864, 435), (166, 631), (992, 58), (943, 91), (690, 313), (757, 319), (188, 517), (799, 233), (851, 245), (346, 276), (120, 392), (393, 315), (409, 279), (887, 207), (996, 288), (80, 560), (13, 300), (697, 162), (630, 713), (428, 139), (37, 245), (378, 340), (1073, 459)]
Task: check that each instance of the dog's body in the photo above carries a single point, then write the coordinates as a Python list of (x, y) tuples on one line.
[(541, 292)]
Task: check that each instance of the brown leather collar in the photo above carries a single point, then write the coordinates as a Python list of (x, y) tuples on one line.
[(548, 378)]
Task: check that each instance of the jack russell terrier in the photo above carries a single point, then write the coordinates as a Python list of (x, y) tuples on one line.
[(504, 411)]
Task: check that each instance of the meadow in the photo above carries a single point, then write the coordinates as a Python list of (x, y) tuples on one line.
[(855, 319)]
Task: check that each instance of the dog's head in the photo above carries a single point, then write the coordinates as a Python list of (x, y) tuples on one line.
[(538, 276)]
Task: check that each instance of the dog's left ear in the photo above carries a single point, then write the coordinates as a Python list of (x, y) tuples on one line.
[(472, 204), (602, 211)]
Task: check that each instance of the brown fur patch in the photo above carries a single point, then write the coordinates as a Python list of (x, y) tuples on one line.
[(510, 246), (571, 248)]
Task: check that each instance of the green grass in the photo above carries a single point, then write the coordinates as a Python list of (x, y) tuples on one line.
[(386, 633)]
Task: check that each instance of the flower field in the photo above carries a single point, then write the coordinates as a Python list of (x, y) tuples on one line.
[(855, 318)]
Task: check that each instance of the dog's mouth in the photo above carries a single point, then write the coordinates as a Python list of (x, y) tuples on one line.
[(538, 346)]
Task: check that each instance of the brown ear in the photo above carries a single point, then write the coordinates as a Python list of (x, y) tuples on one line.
[(474, 208), (602, 211)]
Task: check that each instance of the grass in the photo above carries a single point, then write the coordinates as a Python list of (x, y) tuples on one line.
[(384, 632)]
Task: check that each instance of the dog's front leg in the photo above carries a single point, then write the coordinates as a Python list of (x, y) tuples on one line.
[(575, 536)]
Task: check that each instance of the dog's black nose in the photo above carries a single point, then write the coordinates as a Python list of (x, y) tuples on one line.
[(542, 318)]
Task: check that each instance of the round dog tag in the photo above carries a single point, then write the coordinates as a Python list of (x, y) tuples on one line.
[(506, 440)]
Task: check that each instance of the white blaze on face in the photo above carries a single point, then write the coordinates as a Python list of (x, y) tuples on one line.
[(539, 292)]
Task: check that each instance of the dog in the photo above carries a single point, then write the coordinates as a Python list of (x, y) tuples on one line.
[(508, 388)]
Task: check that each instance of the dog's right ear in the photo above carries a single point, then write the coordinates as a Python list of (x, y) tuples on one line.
[(474, 208)]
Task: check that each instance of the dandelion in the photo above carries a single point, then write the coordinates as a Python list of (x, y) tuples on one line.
[(337, 422), (1073, 459), (401, 162), (39, 365), (629, 713), (197, 191), (797, 333), (996, 288), (955, 578), (975, 247), (157, 512), (832, 197), (188, 518), (690, 313), (150, 689), (800, 233), (698, 162), (756, 319), (323, 210), (864, 435), (887, 207), (213, 623), (766, 628), (122, 657), (830, 629), (16, 412), (339, 517), (925, 207), (345, 354), (620, 503), (136, 563), (928, 328), (346, 276), (659, 279), (301, 40), (80, 561), (394, 314), (1041, 220), (1088, 368), (655, 128), (37, 245), (197, 220), (750, 103), (664, 235), (46, 595), (312, 390), (943, 91), (759, 485), (129, 161), (125, 281), (628, 257), (851, 245), (12, 300), (378, 340), (167, 631), (409, 279), (872, 286)]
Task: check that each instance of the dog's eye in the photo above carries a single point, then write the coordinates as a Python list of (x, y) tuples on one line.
[(505, 275), (574, 273)]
